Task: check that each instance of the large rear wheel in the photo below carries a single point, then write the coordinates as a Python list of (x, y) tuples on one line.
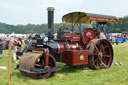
[(100, 54)]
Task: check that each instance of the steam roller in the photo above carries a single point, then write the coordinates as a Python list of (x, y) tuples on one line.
[(83, 47)]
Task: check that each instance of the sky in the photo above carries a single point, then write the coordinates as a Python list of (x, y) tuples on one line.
[(35, 11)]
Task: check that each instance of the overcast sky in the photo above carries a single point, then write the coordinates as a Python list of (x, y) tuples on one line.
[(34, 11)]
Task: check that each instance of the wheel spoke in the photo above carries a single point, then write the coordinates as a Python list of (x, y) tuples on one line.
[(105, 46), (96, 59), (102, 48), (103, 63), (107, 56), (97, 50), (104, 59), (95, 54), (97, 62)]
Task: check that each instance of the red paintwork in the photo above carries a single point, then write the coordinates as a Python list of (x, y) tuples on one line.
[(34, 41), (73, 57), (119, 36), (71, 46), (60, 46), (67, 46), (75, 38), (70, 37), (46, 56), (67, 35), (102, 19), (88, 35)]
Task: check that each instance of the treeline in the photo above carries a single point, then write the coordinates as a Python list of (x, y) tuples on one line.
[(120, 26), (29, 28)]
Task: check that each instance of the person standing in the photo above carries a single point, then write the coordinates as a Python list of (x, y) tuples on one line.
[(102, 35), (1, 48), (19, 45), (13, 40), (3, 41)]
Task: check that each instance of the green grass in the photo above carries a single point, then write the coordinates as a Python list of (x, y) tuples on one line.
[(116, 75)]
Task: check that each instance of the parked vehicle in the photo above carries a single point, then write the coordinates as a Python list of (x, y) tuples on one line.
[(83, 48)]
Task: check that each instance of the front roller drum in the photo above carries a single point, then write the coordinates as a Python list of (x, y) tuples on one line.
[(100, 54), (35, 60)]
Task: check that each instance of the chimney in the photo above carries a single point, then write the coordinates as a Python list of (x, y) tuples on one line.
[(50, 23)]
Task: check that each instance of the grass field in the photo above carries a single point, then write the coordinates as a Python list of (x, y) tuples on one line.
[(116, 75)]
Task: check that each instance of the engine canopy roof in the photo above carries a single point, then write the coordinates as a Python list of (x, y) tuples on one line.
[(82, 17)]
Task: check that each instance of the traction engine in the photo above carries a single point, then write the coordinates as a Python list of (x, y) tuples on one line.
[(72, 49)]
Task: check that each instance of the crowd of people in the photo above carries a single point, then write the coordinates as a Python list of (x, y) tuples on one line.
[(2, 44), (117, 37), (16, 43)]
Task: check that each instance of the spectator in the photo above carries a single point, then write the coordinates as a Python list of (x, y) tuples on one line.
[(3, 41), (14, 41), (1, 48), (97, 32), (102, 35), (19, 45)]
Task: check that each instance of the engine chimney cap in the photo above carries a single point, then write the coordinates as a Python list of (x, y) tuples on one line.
[(50, 9)]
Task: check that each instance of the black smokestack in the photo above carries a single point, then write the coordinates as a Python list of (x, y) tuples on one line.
[(50, 23)]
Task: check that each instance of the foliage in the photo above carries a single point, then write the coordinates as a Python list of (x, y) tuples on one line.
[(120, 26), (23, 29)]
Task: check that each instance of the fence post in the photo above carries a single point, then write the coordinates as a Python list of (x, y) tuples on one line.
[(10, 63)]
